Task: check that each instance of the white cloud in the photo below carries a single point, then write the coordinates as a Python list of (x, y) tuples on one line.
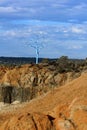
[(77, 11), (75, 46), (58, 5), (54, 10), (12, 9), (80, 6), (7, 9), (10, 33), (77, 30)]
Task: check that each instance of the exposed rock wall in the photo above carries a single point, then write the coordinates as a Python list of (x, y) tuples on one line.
[(28, 81), (9, 94), (65, 109)]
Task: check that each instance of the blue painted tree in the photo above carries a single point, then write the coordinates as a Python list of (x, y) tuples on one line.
[(37, 43)]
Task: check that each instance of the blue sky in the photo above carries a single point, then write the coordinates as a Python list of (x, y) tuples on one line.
[(61, 26)]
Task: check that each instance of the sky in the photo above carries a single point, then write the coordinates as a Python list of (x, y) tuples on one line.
[(58, 26)]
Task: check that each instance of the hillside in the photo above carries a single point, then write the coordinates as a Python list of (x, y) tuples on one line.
[(28, 81), (64, 108)]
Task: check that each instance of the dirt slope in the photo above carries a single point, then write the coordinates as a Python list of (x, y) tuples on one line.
[(63, 108)]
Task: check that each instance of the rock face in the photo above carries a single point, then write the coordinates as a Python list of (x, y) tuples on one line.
[(29, 81), (35, 121), (65, 108), (61, 117), (10, 94)]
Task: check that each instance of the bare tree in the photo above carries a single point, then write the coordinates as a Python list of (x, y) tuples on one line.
[(37, 44)]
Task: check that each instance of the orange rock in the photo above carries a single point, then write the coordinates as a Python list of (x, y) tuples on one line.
[(63, 108)]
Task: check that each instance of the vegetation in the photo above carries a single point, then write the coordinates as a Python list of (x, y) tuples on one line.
[(62, 64)]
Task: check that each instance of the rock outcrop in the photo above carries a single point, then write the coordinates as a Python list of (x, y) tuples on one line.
[(26, 82), (64, 108), (35, 121)]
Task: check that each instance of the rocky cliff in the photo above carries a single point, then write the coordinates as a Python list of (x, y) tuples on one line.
[(22, 83), (64, 108)]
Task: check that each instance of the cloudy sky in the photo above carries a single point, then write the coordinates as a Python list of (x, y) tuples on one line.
[(58, 26)]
